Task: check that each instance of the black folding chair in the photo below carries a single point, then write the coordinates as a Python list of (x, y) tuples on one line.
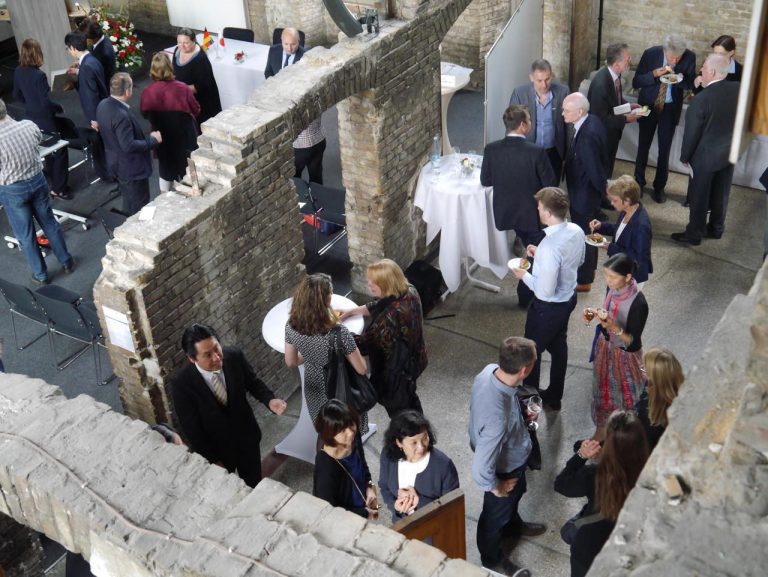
[(22, 302), (277, 34), (110, 219), (80, 139), (244, 34), (77, 321), (329, 207)]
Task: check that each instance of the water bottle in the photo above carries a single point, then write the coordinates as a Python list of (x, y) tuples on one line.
[(436, 150)]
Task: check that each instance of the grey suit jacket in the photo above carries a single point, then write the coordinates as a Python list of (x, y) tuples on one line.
[(526, 96)]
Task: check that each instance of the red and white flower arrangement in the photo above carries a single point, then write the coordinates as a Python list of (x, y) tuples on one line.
[(119, 30)]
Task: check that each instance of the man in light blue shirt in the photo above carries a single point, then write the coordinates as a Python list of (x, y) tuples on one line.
[(499, 437), (553, 282)]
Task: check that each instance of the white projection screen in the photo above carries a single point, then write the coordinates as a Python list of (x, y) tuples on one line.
[(508, 62), (212, 14)]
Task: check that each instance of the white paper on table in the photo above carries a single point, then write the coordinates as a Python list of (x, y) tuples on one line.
[(622, 109), (118, 329)]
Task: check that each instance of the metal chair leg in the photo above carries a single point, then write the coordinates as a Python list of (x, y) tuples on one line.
[(16, 337)]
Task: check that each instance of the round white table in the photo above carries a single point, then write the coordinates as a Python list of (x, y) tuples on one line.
[(461, 209), (452, 79), (301, 441)]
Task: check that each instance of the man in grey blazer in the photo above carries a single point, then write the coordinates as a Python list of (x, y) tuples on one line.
[(709, 123), (544, 100)]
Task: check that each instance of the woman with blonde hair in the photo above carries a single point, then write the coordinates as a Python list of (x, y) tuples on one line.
[(664, 377), (172, 109), (394, 339), (606, 485), (309, 339)]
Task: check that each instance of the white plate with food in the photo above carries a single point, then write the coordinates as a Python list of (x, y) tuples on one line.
[(642, 111), (524, 264), (671, 78), (595, 239)]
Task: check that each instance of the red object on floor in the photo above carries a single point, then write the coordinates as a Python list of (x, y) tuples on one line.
[(42, 240)]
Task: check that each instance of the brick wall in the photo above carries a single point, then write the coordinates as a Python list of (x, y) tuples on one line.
[(108, 487), (148, 15), (227, 257)]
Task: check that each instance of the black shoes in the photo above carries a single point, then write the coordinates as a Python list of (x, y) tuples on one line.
[(659, 196), (682, 238), (712, 234), (70, 267), (40, 281), (553, 404)]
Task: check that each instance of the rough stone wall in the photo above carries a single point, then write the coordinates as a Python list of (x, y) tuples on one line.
[(21, 554), (558, 16), (584, 31), (227, 257), (700, 505), (108, 487), (149, 15), (306, 15)]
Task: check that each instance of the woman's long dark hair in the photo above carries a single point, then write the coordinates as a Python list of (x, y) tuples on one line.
[(622, 458)]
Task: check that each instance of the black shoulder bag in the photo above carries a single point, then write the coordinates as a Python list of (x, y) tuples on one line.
[(343, 382)]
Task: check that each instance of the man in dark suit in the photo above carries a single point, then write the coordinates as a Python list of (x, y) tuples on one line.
[(211, 406), (102, 49), (585, 173), (127, 148), (544, 100), (709, 124), (517, 170), (665, 102), (605, 93), (285, 54), (91, 83)]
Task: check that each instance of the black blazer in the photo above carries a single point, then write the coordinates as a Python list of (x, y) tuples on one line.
[(275, 59), (440, 477), (602, 99), (91, 86), (516, 169), (635, 241), (526, 96), (653, 58), (30, 87), (585, 167), (105, 54), (127, 147), (709, 123), (332, 484), (220, 434)]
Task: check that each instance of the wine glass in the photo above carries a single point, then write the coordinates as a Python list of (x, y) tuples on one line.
[(589, 314), (533, 406)]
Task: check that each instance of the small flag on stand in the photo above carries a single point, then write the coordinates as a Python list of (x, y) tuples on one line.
[(222, 44), (207, 40)]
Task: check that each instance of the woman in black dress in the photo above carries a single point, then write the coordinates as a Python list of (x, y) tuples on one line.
[(30, 87), (192, 67), (605, 485)]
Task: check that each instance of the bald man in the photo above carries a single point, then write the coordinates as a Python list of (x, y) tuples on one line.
[(281, 55)]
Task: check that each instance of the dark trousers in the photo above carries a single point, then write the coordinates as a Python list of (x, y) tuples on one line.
[(249, 469), (135, 194), (547, 325), (613, 137), (708, 191), (665, 120), (556, 162), (586, 272), (312, 159), (499, 514), (57, 169), (524, 294)]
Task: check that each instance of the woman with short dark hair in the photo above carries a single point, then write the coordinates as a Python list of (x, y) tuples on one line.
[(617, 350), (341, 474), (605, 485), (413, 472), (30, 87)]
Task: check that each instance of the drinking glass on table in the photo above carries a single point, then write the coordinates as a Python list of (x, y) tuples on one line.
[(455, 150), (589, 314), (533, 407)]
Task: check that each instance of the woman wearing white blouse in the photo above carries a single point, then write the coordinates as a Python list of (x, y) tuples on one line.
[(413, 473)]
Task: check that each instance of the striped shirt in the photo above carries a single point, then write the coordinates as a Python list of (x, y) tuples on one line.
[(19, 157)]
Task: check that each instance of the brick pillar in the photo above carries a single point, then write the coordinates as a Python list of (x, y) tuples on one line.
[(21, 554)]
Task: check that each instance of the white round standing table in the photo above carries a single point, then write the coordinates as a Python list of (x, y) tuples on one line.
[(301, 442)]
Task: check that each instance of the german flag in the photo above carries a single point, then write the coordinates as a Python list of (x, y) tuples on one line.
[(207, 40)]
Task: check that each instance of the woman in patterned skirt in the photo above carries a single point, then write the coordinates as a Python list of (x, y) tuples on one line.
[(308, 340), (617, 351)]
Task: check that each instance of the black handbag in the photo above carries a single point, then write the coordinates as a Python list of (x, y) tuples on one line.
[(344, 383), (571, 527)]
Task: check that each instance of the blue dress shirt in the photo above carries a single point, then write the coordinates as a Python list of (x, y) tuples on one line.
[(545, 127), (558, 257)]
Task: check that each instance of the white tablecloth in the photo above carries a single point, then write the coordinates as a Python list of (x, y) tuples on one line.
[(301, 441), (236, 81), (462, 210), (747, 172)]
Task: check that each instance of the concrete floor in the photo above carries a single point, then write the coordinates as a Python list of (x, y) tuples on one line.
[(687, 295)]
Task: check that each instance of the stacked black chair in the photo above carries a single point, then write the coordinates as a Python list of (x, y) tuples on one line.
[(22, 303), (329, 206), (244, 34)]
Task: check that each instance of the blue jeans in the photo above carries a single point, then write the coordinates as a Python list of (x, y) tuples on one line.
[(24, 200)]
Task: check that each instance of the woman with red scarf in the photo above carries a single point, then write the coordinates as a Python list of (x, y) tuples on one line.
[(617, 351)]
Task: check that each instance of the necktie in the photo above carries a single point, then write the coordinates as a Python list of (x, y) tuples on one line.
[(658, 104), (219, 390), (287, 56), (617, 85)]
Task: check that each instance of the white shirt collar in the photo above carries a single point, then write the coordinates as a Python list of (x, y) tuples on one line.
[(95, 44), (83, 55), (515, 135), (124, 103), (614, 76), (579, 122), (552, 229), (714, 81)]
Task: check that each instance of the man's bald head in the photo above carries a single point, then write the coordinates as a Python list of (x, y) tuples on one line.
[(290, 40)]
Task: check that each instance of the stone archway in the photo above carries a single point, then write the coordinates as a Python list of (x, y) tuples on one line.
[(226, 257)]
